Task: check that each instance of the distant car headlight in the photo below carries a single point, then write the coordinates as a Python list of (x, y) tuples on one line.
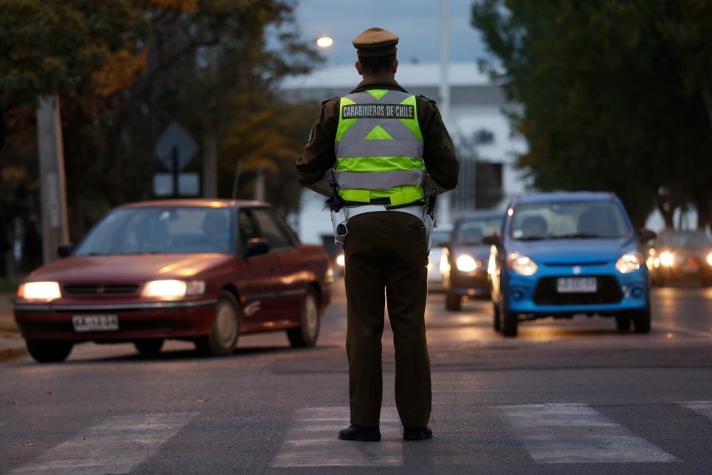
[(667, 259), (39, 291), (444, 262), (341, 260), (523, 265), (709, 258), (629, 262), (172, 289), (466, 263)]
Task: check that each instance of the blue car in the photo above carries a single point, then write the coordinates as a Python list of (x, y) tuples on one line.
[(562, 254)]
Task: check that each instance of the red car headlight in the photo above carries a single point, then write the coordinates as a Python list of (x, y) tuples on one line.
[(172, 289)]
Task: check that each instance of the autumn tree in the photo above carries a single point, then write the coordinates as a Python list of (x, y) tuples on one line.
[(126, 68)]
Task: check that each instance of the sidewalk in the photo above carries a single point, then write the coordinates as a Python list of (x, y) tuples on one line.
[(11, 343)]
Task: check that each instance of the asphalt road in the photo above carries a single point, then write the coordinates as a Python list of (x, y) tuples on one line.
[(564, 397)]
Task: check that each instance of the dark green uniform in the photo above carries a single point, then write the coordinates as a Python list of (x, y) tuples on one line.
[(386, 265), (386, 259)]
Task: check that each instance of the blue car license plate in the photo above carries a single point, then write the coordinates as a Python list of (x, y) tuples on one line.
[(576, 285)]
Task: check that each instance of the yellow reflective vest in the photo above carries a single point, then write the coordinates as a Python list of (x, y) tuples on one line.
[(379, 148)]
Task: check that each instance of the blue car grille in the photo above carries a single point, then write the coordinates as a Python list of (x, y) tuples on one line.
[(608, 292)]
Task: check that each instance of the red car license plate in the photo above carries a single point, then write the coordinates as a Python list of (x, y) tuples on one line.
[(95, 323)]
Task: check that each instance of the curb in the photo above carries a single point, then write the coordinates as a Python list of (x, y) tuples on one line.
[(10, 353)]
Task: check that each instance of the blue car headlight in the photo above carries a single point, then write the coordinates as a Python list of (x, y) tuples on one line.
[(521, 264), (629, 262)]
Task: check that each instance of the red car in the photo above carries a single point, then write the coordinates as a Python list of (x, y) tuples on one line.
[(200, 270)]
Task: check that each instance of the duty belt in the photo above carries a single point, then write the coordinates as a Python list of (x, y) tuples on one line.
[(415, 210)]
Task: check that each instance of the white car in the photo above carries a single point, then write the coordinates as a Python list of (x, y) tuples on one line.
[(440, 238)]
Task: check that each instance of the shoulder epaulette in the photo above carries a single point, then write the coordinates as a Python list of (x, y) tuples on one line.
[(428, 99), (323, 103)]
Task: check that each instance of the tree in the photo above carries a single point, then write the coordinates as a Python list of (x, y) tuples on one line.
[(125, 68), (605, 106)]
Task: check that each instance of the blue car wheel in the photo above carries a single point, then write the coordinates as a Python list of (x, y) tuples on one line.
[(509, 320)]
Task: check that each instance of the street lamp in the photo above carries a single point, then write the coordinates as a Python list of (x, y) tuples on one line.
[(324, 41)]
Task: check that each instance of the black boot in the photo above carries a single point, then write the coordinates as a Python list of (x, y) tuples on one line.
[(417, 433), (360, 433)]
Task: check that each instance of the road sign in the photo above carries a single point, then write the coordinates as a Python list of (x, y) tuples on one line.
[(175, 147), (188, 184)]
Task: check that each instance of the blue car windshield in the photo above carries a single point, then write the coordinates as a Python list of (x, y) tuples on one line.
[(160, 230), (569, 220), (472, 231)]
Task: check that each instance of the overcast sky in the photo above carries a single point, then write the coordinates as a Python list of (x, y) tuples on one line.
[(417, 22)]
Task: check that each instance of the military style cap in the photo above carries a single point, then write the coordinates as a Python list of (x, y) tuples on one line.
[(375, 42)]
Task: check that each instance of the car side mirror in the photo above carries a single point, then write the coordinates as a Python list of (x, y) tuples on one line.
[(65, 250), (646, 235), (256, 247), (492, 240)]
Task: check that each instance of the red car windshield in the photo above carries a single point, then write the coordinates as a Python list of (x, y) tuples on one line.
[(166, 230)]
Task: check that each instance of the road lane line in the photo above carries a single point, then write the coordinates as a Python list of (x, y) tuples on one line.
[(312, 441), (700, 407), (117, 445), (687, 331), (577, 433)]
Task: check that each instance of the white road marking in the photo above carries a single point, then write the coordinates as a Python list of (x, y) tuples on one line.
[(117, 445), (312, 441), (686, 331), (700, 407), (577, 433)]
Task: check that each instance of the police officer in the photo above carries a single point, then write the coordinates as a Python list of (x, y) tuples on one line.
[(372, 151)]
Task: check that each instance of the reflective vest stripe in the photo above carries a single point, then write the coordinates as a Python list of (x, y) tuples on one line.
[(398, 195), (379, 164), (380, 180)]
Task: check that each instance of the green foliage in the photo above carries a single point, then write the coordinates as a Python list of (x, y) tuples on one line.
[(54, 46), (124, 69), (612, 98)]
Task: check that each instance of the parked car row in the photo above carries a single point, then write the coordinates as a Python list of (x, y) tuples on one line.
[(206, 271)]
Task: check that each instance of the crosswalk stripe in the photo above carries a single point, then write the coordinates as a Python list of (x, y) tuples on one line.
[(312, 441), (700, 407), (577, 433), (117, 445)]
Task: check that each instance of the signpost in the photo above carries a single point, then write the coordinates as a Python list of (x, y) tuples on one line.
[(175, 148), (52, 182)]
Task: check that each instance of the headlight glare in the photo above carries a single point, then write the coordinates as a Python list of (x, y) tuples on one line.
[(172, 289), (466, 263), (629, 262), (341, 260), (39, 291), (709, 259), (444, 262), (667, 258), (523, 265)]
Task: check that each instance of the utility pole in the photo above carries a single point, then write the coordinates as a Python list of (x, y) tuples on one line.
[(210, 162), (210, 147), (444, 199), (260, 185), (52, 180)]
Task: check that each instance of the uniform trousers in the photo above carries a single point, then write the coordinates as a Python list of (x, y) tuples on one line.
[(386, 261)]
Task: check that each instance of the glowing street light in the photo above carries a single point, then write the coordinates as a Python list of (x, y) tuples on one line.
[(324, 41)]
